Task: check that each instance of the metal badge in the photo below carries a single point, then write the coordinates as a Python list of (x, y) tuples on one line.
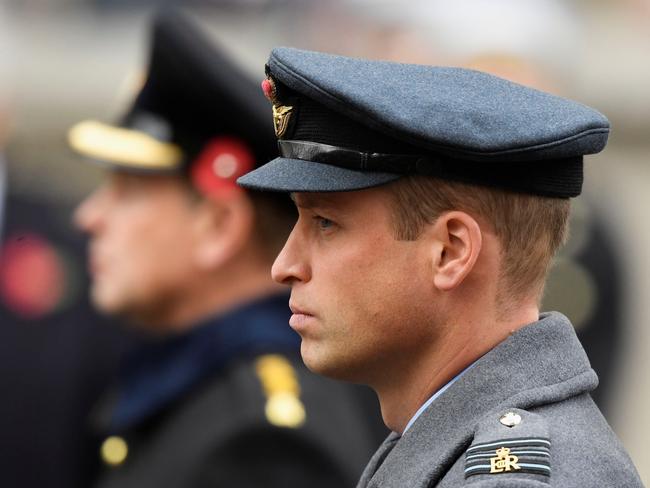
[(510, 419), (281, 113), (504, 461), (114, 451)]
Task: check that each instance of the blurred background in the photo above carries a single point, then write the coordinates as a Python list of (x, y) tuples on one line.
[(62, 61)]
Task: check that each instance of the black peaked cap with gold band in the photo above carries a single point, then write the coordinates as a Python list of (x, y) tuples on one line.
[(347, 124), (192, 96)]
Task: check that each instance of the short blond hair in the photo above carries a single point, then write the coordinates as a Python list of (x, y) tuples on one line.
[(530, 228)]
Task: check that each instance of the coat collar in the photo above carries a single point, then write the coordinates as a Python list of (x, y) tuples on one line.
[(157, 373), (541, 363)]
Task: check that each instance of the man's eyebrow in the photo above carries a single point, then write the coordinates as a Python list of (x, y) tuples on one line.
[(308, 201)]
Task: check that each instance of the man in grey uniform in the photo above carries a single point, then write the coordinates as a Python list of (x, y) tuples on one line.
[(431, 202)]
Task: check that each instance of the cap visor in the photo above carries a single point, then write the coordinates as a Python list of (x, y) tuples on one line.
[(296, 175), (124, 148)]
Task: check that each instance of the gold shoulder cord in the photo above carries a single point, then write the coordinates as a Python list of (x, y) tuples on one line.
[(280, 383)]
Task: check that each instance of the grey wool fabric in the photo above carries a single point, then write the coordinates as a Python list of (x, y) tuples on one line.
[(476, 114), (540, 373)]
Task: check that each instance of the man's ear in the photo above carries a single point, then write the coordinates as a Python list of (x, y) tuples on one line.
[(458, 242), (224, 227)]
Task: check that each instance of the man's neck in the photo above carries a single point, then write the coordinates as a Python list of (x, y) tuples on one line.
[(417, 378)]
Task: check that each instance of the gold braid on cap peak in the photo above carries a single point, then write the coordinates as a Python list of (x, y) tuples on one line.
[(126, 147)]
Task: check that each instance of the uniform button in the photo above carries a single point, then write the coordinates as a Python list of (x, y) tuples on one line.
[(114, 451), (510, 419)]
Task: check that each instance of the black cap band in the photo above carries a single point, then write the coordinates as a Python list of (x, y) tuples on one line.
[(560, 178)]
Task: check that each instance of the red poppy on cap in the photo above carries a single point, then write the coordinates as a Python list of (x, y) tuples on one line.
[(222, 161), (268, 88)]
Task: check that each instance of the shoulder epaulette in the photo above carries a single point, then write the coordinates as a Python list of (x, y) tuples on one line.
[(282, 390), (508, 443)]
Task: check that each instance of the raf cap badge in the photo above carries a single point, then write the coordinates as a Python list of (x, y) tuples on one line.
[(281, 113)]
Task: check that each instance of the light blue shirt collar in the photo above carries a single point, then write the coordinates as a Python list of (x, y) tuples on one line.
[(434, 396)]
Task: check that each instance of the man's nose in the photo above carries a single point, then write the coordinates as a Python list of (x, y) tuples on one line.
[(87, 215), (291, 265)]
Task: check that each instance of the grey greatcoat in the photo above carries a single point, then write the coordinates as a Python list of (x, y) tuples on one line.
[(541, 377)]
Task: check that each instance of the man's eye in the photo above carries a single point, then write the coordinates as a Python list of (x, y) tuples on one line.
[(324, 223)]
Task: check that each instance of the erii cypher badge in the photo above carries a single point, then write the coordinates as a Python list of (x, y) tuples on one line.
[(504, 461), (513, 456), (281, 113)]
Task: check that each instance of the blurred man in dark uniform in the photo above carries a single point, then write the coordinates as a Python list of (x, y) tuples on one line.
[(217, 394)]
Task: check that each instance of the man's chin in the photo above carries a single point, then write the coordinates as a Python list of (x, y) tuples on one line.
[(105, 301), (134, 312), (327, 365), (101, 302), (113, 305)]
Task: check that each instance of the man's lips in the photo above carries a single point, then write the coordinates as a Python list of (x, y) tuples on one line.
[(296, 310), (300, 317), (95, 265)]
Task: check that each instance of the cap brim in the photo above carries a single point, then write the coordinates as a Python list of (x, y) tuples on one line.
[(123, 148), (296, 175)]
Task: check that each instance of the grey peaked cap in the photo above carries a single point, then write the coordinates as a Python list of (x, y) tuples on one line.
[(453, 114)]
